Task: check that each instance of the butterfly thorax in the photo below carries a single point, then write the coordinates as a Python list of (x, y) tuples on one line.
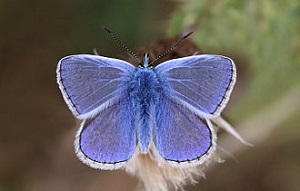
[(144, 93)]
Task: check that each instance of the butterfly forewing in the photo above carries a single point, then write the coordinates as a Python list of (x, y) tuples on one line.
[(108, 140), (202, 83), (89, 83)]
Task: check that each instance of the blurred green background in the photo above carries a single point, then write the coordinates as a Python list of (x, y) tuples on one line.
[(37, 129)]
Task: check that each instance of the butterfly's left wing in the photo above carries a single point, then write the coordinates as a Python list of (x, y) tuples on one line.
[(108, 140), (181, 137), (90, 83), (202, 83)]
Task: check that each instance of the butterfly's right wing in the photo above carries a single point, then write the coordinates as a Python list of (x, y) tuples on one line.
[(90, 83), (108, 140), (181, 138), (193, 89), (202, 83)]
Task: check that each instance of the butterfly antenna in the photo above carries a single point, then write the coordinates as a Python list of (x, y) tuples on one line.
[(174, 46), (121, 44)]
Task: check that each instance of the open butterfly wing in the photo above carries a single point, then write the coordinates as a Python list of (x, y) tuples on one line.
[(90, 83), (203, 83), (108, 140), (181, 137)]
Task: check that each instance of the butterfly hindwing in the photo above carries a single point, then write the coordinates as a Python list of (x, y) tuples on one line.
[(181, 137), (203, 83), (89, 83), (108, 140)]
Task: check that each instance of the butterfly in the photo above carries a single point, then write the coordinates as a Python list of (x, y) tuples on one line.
[(129, 110)]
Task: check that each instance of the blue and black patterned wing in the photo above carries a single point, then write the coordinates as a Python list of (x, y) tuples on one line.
[(202, 83), (90, 83), (181, 137), (108, 140)]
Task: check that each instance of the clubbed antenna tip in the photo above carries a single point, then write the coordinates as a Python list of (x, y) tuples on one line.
[(107, 29), (187, 35)]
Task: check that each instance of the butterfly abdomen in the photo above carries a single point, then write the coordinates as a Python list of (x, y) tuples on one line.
[(144, 93)]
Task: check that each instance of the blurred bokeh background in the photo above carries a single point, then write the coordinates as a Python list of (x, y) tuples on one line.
[(37, 129)]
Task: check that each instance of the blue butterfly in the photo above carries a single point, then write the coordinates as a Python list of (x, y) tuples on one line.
[(128, 110)]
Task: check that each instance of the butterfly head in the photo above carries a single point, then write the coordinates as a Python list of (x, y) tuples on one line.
[(146, 62)]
